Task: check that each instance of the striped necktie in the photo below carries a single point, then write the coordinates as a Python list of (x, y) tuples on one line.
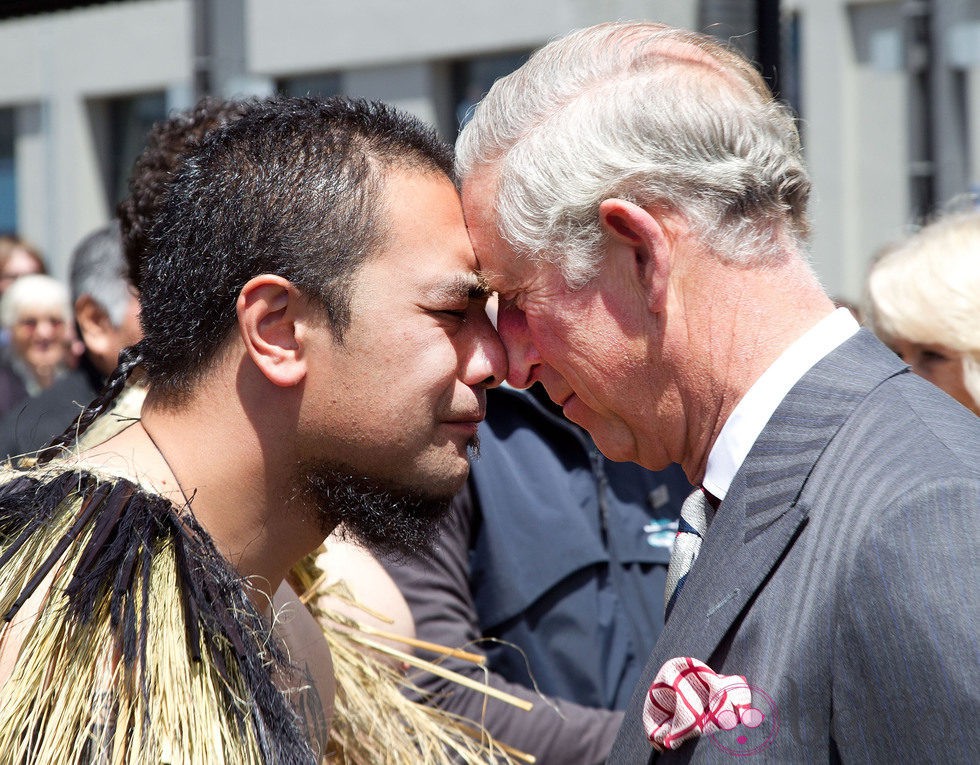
[(696, 514)]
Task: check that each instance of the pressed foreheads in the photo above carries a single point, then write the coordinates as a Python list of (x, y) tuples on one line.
[(644, 112)]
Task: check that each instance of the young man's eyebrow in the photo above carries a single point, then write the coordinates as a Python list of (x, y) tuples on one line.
[(469, 286)]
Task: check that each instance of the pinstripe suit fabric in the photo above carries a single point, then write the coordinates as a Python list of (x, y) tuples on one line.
[(840, 577)]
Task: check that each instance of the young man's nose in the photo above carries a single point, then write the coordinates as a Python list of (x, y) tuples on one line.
[(486, 365)]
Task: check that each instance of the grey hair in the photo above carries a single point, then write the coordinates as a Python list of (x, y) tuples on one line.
[(98, 269), (657, 116), (33, 291), (927, 290)]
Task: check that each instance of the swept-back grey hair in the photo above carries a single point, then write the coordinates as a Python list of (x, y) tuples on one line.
[(650, 114), (98, 269)]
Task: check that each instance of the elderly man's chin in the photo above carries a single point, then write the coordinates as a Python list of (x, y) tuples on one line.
[(611, 436), (391, 517)]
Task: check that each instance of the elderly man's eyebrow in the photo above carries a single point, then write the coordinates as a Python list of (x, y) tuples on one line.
[(494, 281)]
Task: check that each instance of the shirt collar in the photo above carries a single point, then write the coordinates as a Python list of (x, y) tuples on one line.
[(751, 414)]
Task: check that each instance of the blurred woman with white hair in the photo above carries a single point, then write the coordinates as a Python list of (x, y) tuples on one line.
[(924, 302), (35, 313)]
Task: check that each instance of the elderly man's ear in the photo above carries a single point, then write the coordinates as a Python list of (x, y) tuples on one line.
[(647, 241), (94, 326), (273, 322)]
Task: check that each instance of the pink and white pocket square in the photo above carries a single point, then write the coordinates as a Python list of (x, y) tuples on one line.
[(688, 699)]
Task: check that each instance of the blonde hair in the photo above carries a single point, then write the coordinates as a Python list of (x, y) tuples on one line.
[(927, 290), (11, 243)]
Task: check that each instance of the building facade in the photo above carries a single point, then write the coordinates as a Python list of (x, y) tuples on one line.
[(888, 91)]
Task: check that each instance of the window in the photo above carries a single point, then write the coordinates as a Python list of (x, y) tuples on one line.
[(128, 120), (471, 79), (8, 176)]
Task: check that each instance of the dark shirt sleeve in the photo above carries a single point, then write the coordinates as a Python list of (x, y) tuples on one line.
[(437, 590)]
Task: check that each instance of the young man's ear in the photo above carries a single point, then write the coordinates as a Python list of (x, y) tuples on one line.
[(643, 233), (270, 319)]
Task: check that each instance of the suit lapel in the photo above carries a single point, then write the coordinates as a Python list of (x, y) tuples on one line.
[(761, 515)]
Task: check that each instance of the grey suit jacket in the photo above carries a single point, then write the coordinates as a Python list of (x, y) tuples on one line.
[(840, 578)]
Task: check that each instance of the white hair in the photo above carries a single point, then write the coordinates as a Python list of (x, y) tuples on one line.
[(98, 269), (34, 291), (927, 290), (647, 113)]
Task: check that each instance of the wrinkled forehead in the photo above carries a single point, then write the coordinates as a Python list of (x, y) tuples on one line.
[(500, 268), (505, 273)]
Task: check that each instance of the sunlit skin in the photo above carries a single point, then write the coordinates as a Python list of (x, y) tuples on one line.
[(590, 351), (941, 366), (404, 390)]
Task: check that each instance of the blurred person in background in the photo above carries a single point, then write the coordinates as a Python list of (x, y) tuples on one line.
[(34, 312), (107, 320), (924, 303), (17, 258)]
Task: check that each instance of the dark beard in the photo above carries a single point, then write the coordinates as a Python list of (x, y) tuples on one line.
[(389, 519)]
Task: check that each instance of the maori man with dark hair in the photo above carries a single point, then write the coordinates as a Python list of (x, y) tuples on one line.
[(316, 349)]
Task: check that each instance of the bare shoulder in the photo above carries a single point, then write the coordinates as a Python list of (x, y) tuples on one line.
[(309, 652), (369, 585)]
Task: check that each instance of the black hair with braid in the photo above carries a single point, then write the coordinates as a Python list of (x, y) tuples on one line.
[(293, 187)]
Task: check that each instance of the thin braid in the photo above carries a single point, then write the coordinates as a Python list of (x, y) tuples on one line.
[(129, 359)]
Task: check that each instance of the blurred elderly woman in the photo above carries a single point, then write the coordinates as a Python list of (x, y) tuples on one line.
[(924, 302), (35, 313)]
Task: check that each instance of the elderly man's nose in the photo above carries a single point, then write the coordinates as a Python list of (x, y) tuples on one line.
[(522, 355)]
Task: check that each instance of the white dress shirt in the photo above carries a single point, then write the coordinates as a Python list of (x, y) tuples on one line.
[(751, 414)]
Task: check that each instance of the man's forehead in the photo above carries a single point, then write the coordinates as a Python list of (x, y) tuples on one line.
[(500, 268)]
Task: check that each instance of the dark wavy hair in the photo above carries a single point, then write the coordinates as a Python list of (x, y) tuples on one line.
[(292, 187), (167, 144)]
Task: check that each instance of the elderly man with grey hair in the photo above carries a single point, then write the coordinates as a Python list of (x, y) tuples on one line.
[(107, 317), (638, 200)]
